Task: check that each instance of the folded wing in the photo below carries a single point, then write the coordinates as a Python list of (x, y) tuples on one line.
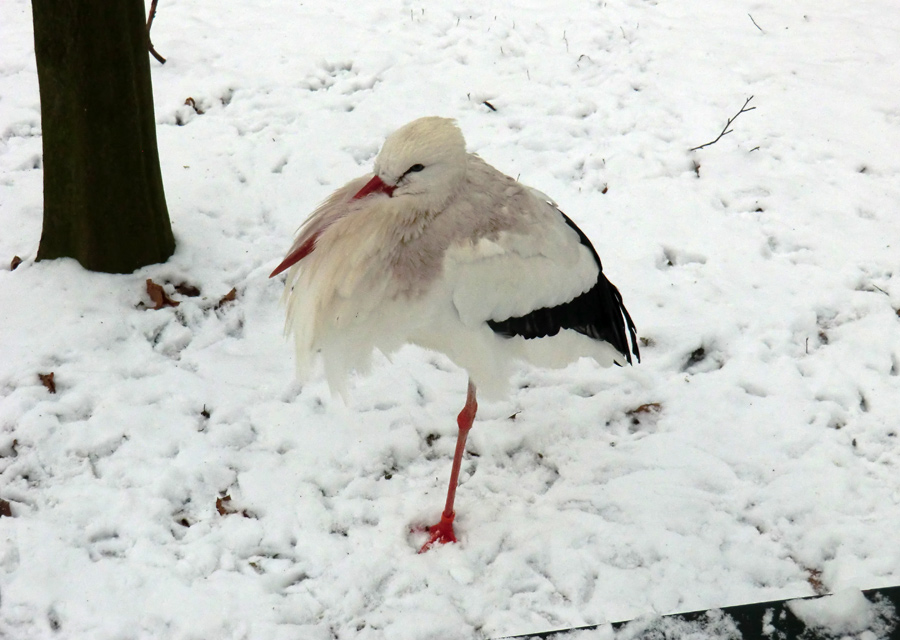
[(534, 285)]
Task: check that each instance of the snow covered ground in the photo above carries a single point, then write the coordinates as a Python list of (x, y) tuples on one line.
[(763, 273)]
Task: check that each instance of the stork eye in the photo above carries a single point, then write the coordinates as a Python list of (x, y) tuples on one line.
[(415, 168)]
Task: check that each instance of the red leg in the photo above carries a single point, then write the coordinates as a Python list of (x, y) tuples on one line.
[(442, 532)]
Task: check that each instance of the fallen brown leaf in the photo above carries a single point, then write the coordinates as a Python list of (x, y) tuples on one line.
[(223, 506), (814, 578), (158, 296), (228, 297), (47, 381), (5, 511), (649, 409), (16, 261)]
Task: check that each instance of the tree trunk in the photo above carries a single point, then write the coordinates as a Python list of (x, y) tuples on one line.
[(104, 203)]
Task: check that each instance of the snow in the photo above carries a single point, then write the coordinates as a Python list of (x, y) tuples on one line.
[(762, 272), (843, 613)]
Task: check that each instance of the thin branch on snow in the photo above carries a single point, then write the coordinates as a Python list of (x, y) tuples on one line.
[(754, 23), (152, 15), (726, 130)]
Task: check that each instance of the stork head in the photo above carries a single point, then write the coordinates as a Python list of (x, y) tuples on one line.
[(423, 162)]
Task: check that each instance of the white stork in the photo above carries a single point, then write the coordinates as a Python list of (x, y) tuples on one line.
[(439, 249)]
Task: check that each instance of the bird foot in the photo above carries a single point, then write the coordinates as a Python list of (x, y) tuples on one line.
[(440, 533)]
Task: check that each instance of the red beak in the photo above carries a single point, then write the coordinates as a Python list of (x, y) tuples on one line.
[(374, 185), (296, 256)]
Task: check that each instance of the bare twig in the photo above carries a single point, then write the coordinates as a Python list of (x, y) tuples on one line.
[(754, 23), (726, 130), (152, 15), (156, 55)]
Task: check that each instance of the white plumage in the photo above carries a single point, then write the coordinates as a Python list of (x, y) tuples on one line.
[(439, 249)]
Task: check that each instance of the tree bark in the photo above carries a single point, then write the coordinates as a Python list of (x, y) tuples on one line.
[(104, 202)]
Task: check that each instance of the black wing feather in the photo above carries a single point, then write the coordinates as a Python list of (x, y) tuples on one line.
[(598, 313)]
